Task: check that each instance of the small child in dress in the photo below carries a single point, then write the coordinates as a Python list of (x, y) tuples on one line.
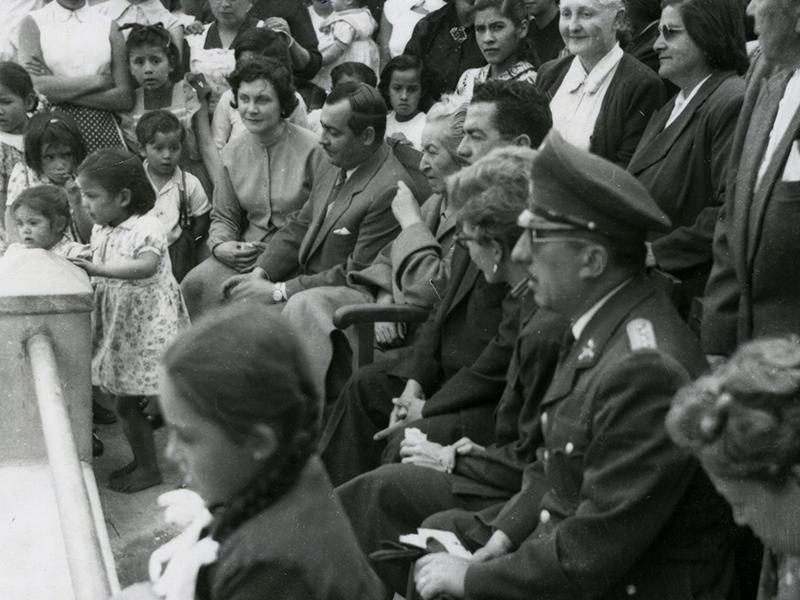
[(138, 307), (53, 150), (404, 86), (181, 205), (42, 218), (154, 64), (349, 30), (17, 99)]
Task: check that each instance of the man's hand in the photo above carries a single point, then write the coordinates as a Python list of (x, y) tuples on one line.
[(407, 408), (440, 573), (466, 446), (422, 453), (240, 256), (390, 334), (253, 286), (498, 545), (405, 207)]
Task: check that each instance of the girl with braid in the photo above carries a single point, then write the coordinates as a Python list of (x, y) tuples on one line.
[(243, 420), (742, 422)]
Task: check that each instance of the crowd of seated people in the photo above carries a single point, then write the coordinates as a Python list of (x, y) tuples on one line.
[(560, 228)]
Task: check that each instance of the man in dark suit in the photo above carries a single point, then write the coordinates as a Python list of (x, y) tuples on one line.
[(751, 291), (611, 508), (347, 218)]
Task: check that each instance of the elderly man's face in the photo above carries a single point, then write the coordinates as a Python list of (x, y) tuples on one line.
[(589, 28), (776, 23), (480, 133)]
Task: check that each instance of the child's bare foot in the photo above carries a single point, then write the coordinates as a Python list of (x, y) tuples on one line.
[(138, 479), (123, 470)]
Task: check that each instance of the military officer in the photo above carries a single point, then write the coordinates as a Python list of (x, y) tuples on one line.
[(610, 508)]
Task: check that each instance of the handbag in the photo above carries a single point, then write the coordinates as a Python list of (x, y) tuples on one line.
[(183, 251)]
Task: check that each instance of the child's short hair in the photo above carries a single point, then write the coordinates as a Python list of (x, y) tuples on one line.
[(356, 70), (264, 42), (17, 81), (48, 200), (271, 70), (48, 128), (157, 121), (407, 62), (115, 169), (155, 35)]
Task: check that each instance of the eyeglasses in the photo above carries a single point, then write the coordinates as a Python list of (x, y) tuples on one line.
[(542, 236), (669, 31)]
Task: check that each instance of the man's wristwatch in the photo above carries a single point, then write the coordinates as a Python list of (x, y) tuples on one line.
[(279, 292)]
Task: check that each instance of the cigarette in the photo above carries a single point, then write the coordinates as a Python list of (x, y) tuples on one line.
[(520, 287)]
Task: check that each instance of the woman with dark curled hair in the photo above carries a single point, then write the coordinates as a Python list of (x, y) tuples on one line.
[(243, 418), (742, 422), (682, 158), (267, 174)]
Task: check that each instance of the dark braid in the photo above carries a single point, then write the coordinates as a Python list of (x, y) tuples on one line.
[(279, 474)]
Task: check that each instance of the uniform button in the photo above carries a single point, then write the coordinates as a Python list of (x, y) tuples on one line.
[(630, 590), (544, 516), (569, 447), (544, 419)]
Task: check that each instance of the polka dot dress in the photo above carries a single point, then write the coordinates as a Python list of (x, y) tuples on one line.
[(98, 128)]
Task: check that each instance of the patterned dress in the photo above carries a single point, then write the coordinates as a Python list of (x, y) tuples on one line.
[(133, 319), (522, 71), (11, 153)]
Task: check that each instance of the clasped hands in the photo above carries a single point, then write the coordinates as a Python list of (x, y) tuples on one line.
[(249, 286)]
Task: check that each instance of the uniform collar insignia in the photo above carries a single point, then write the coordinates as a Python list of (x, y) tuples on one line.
[(587, 352)]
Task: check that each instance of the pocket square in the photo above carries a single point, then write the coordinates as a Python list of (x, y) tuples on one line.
[(791, 172), (341, 231)]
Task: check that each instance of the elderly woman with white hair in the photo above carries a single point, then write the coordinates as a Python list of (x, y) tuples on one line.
[(602, 98), (413, 269)]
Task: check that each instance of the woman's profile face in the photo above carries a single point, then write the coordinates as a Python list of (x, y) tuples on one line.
[(772, 514), (484, 253), (436, 163), (680, 59), (210, 462)]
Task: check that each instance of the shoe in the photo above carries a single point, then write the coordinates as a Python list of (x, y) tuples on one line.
[(101, 415), (97, 446)]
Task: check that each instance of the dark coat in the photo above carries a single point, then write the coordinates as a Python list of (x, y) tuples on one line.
[(633, 95), (432, 42), (613, 508), (296, 15), (753, 289), (318, 247), (684, 167), (300, 548)]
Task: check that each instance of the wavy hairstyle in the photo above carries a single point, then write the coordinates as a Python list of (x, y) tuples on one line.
[(452, 111), (743, 419), (240, 376)]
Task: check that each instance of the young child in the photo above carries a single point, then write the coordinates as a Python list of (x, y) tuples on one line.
[(138, 307), (258, 42), (155, 66), (143, 12), (181, 202), (17, 99), (53, 150), (349, 29), (42, 217), (342, 73), (403, 86)]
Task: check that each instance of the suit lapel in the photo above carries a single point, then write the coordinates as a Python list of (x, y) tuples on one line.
[(764, 189), (658, 141), (467, 282), (355, 184), (326, 185)]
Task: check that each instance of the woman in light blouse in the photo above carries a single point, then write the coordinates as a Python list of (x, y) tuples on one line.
[(267, 174)]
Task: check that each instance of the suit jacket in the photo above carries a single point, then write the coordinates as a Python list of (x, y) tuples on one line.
[(684, 167), (751, 291), (462, 350), (300, 548), (317, 246), (633, 95), (613, 506)]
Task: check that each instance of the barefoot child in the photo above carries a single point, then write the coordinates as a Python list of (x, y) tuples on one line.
[(138, 307), (181, 202)]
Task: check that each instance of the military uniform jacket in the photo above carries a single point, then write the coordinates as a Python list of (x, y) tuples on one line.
[(613, 508)]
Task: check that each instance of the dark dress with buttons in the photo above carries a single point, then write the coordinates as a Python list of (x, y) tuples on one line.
[(613, 508)]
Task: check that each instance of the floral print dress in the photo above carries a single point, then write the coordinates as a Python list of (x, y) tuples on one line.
[(134, 319)]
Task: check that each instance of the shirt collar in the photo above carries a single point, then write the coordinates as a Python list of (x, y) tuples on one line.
[(594, 79), (682, 99), (62, 15), (581, 322), (126, 224), (151, 9), (174, 180)]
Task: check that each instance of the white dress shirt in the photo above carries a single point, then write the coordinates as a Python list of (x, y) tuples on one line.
[(581, 322), (576, 104), (786, 110), (681, 101)]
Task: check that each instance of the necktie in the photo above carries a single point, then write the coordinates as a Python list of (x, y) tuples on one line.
[(567, 342), (340, 181)]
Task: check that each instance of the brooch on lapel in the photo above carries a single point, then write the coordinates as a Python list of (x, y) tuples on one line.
[(587, 352), (459, 34), (641, 335)]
